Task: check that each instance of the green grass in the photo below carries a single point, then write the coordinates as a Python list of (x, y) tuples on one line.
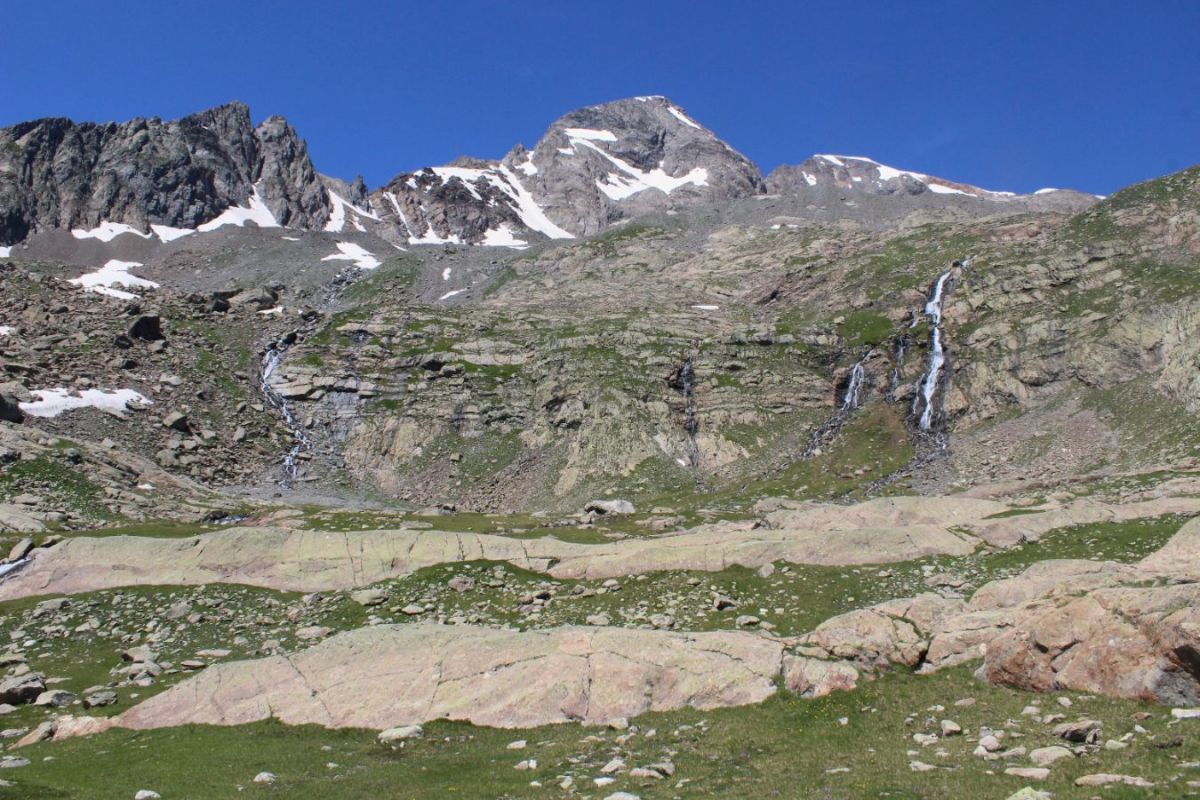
[(784, 747), (63, 484), (861, 328)]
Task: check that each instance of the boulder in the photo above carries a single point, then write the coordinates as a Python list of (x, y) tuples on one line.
[(18, 689), (870, 638), (147, 328), (1139, 643), (10, 409), (812, 677), (609, 507)]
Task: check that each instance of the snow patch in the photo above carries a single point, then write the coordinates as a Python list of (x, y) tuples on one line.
[(527, 166), (503, 236), (707, 308), (107, 231), (7, 330), (168, 234), (52, 402), (114, 273), (935, 185), (256, 211), (590, 135), (5, 252), (619, 186), (1047, 190), (679, 115), (450, 294), (446, 273), (531, 214), (348, 251), (521, 200), (337, 215), (431, 237), (938, 188), (465, 174)]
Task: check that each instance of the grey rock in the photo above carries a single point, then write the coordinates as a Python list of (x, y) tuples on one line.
[(610, 507), (19, 689)]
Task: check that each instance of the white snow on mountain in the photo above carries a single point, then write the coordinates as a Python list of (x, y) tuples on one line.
[(52, 402), (114, 273), (679, 115), (503, 236), (338, 215), (629, 180), (168, 234), (886, 173), (430, 236), (256, 212), (7, 330), (107, 231), (5, 252), (521, 201), (589, 135), (528, 210), (348, 251)]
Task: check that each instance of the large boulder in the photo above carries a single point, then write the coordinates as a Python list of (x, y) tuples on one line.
[(1141, 643), (10, 409)]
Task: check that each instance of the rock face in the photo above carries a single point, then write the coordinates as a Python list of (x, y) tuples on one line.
[(390, 676), (55, 173), (593, 167)]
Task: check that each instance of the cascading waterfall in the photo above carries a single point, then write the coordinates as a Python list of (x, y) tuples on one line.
[(937, 356), (853, 394), (852, 397), (273, 357), (684, 381), (897, 360), (270, 363)]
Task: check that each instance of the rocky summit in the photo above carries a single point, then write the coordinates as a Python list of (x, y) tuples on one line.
[(609, 468)]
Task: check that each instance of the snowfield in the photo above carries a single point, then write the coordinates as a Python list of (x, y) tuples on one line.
[(52, 402), (348, 251), (114, 273)]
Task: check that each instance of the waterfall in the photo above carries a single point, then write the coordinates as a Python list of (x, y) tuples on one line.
[(937, 358), (897, 360), (273, 357), (683, 381), (270, 363), (851, 398)]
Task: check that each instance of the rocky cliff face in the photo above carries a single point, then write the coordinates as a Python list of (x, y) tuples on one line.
[(55, 173)]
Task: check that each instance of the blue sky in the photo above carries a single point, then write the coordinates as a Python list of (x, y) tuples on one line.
[(1007, 95)]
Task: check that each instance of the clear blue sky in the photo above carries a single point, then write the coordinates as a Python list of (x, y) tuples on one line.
[(1005, 94)]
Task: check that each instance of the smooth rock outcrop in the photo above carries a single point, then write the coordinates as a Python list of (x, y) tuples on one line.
[(396, 675)]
